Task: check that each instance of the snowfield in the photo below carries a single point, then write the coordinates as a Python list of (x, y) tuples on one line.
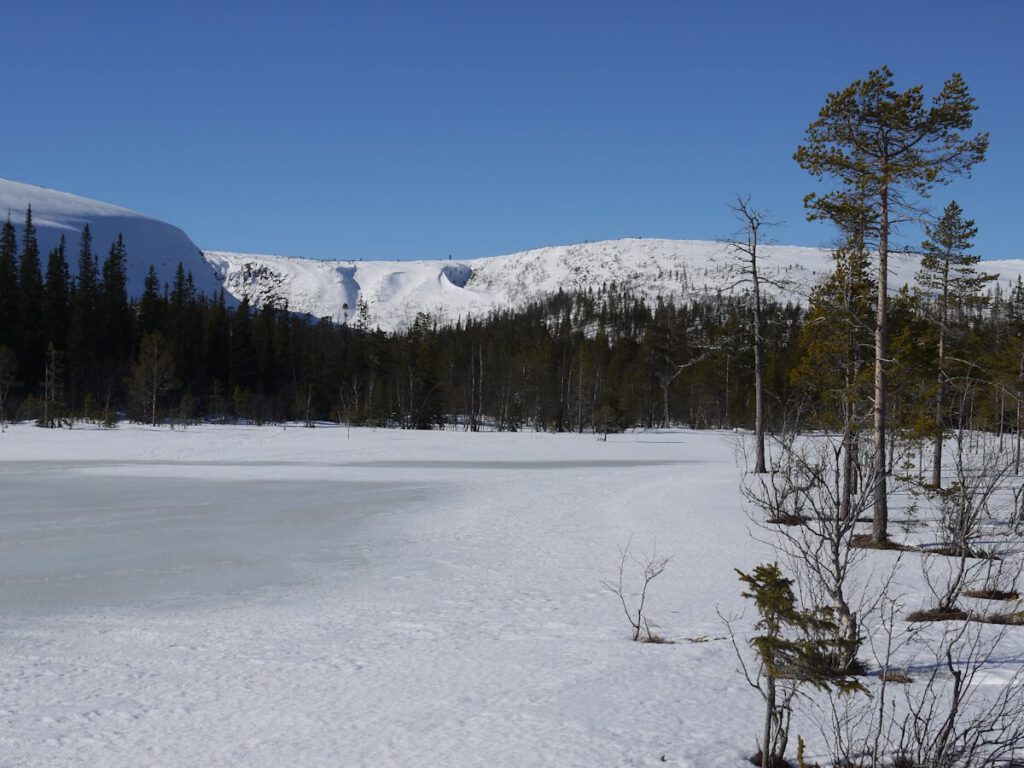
[(260, 596)]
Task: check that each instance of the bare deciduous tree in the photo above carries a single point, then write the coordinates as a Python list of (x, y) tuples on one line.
[(651, 566)]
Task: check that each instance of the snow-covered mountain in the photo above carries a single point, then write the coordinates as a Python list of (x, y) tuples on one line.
[(395, 291), (148, 241)]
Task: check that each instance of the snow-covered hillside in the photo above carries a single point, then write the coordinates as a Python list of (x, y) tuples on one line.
[(395, 291), (148, 241)]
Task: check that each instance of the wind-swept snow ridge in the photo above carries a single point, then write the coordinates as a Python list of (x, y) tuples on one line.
[(148, 241), (396, 291)]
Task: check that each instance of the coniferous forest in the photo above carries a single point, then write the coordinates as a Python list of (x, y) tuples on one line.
[(600, 361)]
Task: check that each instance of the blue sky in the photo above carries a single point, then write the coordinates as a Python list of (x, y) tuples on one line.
[(417, 130)]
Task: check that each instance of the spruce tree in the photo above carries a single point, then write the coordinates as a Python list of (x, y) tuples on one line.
[(150, 303), (116, 317), (84, 336), (56, 297), (950, 282), (8, 284), (886, 150), (30, 305), (795, 644)]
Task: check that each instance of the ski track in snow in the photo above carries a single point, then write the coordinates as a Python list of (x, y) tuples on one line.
[(427, 599)]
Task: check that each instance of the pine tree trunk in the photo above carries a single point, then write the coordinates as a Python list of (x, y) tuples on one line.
[(759, 466), (769, 716), (939, 426), (880, 522), (940, 392), (1020, 416)]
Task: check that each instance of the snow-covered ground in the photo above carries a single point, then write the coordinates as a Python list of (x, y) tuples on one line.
[(260, 596)]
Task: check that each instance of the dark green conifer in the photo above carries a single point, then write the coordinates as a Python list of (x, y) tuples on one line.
[(56, 298), (950, 282), (8, 284), (31, 347)]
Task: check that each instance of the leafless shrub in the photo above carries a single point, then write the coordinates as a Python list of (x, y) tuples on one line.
[(960, 715), (966, 508), (650, 567), (821, 480)]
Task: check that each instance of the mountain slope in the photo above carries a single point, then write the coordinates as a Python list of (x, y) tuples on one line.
[(148, 241), (395, 291)]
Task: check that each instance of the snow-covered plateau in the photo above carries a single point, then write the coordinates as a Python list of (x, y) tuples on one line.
[(268, 596)]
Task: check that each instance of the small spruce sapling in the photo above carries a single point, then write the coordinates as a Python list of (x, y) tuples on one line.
[(794, 645)]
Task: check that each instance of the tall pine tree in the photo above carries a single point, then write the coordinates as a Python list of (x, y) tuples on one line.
[(885, 150)]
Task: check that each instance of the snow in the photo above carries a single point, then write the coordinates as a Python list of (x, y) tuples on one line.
[(260, 596), (267, 596), (396, 291), (148, 241)]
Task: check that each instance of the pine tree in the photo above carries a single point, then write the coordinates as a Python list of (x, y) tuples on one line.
[(885, 150), (950, 280)]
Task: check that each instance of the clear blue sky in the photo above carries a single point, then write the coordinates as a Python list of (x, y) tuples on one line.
[(415, 130)]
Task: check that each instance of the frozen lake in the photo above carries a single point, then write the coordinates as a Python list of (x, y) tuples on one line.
[(266, 597), (83, 535), (79, 537)]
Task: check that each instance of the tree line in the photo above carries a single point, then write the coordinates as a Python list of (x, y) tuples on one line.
[(600, 360)]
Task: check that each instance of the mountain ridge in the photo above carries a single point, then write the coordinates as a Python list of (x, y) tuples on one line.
[(395, 292)]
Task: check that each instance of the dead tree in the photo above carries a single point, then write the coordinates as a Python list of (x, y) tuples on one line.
[(743, 246)]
